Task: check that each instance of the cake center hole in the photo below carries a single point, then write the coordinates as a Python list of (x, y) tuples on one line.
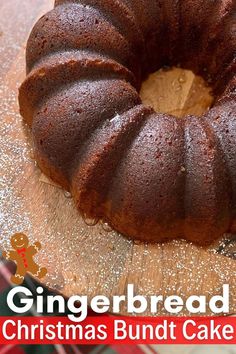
[(177, 92)]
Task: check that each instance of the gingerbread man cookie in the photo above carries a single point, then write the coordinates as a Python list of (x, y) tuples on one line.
[(22, 254)]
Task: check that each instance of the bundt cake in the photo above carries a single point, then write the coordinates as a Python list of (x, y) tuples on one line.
[(151, 176)]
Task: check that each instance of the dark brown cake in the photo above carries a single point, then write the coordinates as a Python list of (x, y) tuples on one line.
[(151, 176)]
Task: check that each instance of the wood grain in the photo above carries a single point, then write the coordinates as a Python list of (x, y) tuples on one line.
[(82, 259), (176, 91)]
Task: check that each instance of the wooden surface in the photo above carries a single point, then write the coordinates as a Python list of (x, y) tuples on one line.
[(176, 91), (82, 259)]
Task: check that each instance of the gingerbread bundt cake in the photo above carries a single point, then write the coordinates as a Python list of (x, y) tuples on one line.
[(151, 176)]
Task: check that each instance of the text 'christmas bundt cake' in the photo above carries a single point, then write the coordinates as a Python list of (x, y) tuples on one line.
[(151, 176)]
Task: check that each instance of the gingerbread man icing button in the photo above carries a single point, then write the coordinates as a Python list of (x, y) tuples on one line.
[(22, 254)]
